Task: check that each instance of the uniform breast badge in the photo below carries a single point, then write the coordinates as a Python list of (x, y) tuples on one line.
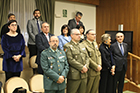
[(51, 66)]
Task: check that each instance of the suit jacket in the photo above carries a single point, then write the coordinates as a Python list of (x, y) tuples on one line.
[(72, 23), (5, 29), (107, 58), (63, 40), (54, 64), (94, 57), (41, 43), (119, 59), (32, 30), (77, 58)]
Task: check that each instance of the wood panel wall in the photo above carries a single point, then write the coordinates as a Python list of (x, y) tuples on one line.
[(111, 13), (93, 2)]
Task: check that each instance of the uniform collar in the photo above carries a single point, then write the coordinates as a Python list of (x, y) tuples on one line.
[(90, 41), (53, 50), (75, 42)]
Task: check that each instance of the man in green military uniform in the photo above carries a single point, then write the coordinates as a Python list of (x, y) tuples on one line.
[(55, 67), (78, 64), (95, 62)]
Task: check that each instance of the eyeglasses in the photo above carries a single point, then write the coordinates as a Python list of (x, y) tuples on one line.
[(119, 36), (13, 24), (77, 34), (93, 34), (54, 41)]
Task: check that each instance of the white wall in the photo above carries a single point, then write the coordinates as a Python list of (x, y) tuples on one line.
[(88, 19)]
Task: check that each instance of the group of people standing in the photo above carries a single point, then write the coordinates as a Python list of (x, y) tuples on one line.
[(72, 55), (114, 63)]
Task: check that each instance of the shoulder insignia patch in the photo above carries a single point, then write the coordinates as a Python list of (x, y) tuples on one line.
[(65, 50)]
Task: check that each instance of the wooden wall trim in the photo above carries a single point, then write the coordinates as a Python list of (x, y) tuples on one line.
[(92, 2)]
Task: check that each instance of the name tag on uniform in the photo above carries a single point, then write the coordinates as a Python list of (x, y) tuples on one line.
[(50, 57), (96, 46), (83, 49), (61, 57)]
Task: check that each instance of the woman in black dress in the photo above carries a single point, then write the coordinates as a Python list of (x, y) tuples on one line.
[(108, 66)]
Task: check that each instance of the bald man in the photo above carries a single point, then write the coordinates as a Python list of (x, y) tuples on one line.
[(120, 52), (55, 67)]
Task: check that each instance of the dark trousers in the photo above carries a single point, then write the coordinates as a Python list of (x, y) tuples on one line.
[(12, 74), (106, 82), (0, 86), (40, 71), (119, 80), (32, 50)]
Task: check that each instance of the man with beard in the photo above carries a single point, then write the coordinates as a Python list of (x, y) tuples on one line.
[(42, 43), (55, 67), (33, 28)]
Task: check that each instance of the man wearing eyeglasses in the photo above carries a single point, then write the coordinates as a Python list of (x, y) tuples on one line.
[(120, 53), (55, 67), (78, 64), (95, 62), (75, 21)]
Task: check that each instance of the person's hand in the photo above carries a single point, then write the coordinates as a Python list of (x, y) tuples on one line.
[(113, 70), (113, 73), (84, 70), (99, 68), (61, 79), (16, 57)]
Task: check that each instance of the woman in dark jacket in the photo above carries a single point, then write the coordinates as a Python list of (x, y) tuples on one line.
[(108, 66), (13, 45)]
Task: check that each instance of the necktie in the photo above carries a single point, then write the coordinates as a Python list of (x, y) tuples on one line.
[(93, 44), (38, 26), (121, 49)]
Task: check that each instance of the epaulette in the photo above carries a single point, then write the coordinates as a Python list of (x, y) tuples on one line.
[(45, 49)]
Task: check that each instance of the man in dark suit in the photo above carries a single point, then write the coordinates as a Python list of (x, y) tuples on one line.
[(5, 28), (33, 28), (75, 21), (42, 42), (120, 52)]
